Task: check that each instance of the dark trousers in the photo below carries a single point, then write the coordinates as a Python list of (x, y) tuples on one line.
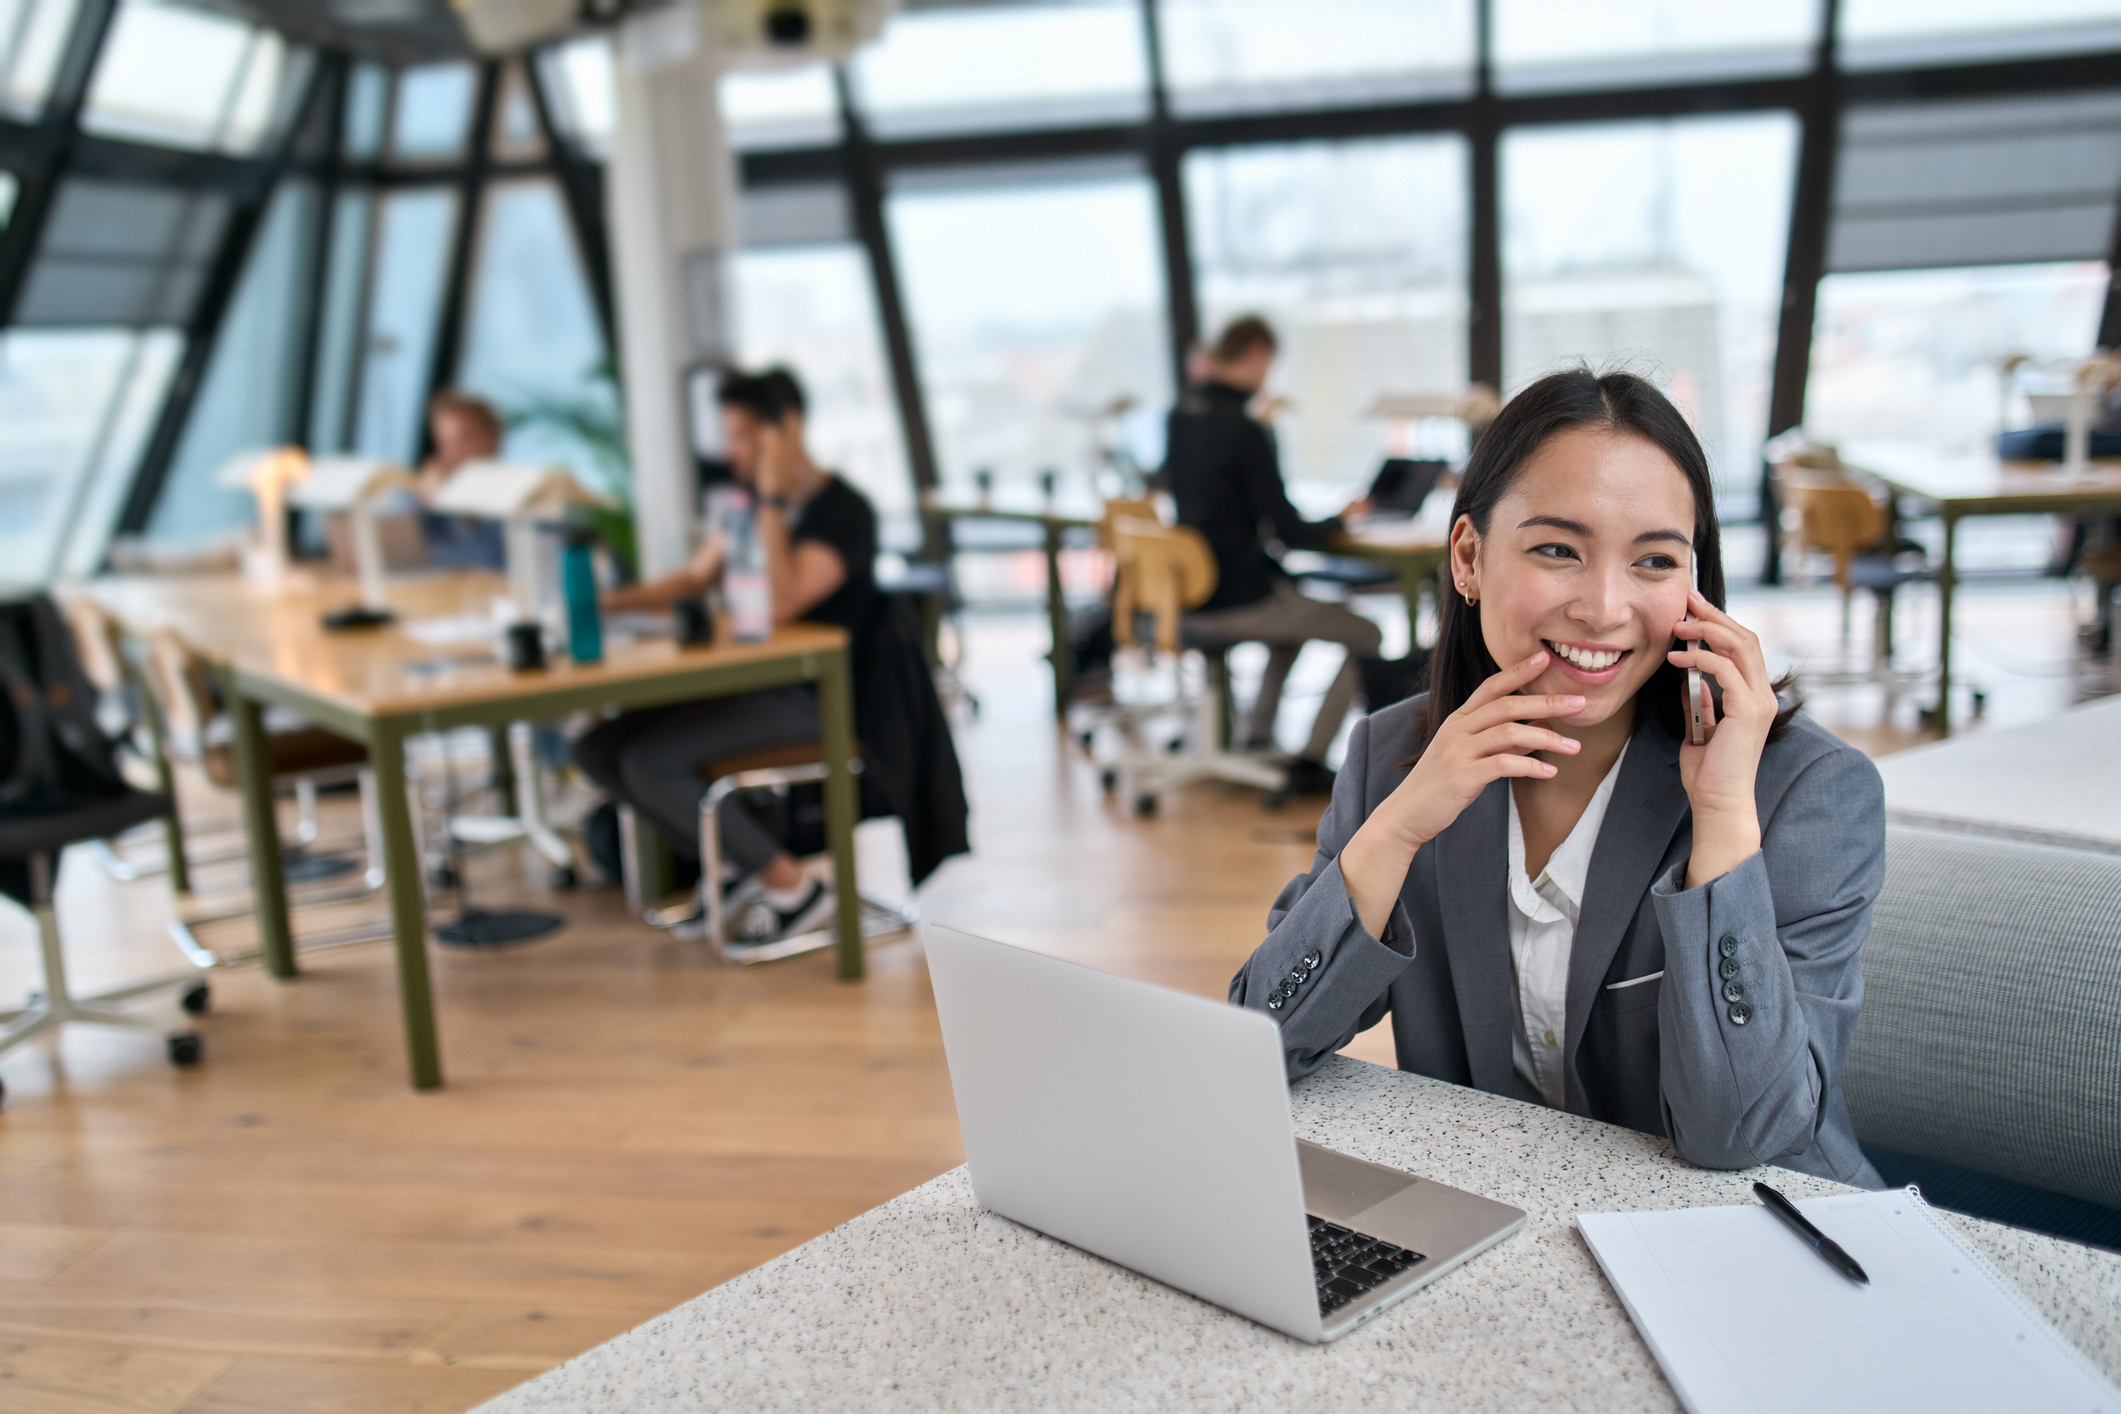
[(651, 759)]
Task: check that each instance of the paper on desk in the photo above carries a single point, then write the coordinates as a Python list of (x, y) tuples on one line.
[(453, 630), (1743, 1315)]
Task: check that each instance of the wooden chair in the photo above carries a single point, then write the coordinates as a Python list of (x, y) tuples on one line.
[(1840, 519), (1164, 571)]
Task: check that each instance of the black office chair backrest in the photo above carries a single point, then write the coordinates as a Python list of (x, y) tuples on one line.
[(52, 752)]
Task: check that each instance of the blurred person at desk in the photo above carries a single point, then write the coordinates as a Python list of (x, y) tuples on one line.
[(461, 429), (820, 540), (1224, 473)]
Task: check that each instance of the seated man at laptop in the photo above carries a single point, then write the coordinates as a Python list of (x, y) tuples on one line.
[(819, 535), (1225, 475)]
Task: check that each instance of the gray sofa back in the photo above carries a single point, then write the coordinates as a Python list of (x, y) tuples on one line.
[(1991, 1030)]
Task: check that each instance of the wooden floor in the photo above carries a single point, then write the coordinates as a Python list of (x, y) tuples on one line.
[(628, 1122)]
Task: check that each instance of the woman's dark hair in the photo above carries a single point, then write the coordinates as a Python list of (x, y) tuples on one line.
[(1620, 403), (768, 396)]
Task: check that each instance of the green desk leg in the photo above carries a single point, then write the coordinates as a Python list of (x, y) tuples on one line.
[(1063, 655), (261, 828), (504, 770), (165, 782), (836, 705), (408, 906), (1947, 581)]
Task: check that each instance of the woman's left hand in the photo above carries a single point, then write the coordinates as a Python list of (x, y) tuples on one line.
[(1719, 775)]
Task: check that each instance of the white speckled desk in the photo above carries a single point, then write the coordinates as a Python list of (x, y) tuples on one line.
[(930, 1302)]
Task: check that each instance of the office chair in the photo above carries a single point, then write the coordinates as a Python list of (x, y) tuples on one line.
[(63, 787), (1164, 571), (304, 757), (1836, 517)]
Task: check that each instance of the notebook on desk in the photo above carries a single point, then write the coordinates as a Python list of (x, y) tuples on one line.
[(1742, 1315)]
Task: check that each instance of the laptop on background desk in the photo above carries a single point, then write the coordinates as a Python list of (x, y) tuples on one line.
[(1152, 1128)]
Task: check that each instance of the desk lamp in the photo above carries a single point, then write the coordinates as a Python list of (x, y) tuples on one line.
[(356, 486), (267, 475), (526, 500)]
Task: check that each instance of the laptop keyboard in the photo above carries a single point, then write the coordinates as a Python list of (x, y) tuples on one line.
[(1349, 1263)]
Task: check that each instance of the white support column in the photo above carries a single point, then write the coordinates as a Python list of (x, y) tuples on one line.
[(672, 197)]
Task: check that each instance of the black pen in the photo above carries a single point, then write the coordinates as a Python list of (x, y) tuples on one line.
[(1825, 1246)]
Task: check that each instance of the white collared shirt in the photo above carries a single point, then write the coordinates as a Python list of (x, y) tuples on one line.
[(1543, 914)]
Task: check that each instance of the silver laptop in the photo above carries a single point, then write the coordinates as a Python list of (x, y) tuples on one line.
[(1152, 1128)]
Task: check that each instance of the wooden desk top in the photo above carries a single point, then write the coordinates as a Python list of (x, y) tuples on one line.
[(1971, 480), (1066, 513), (387, 672)]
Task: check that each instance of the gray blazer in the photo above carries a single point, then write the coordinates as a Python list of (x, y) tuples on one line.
[(1733, 1080)]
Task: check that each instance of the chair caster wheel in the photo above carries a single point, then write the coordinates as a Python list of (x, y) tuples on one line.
[(1273, 799), (441, 877), (1980, 703), (1088, 739), (197, 999), (562, 878), (1109, 780), (1175, 745), (1145, 805), (186, 1049)]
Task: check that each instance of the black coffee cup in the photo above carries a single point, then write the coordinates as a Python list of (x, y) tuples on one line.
[(526, 647), (691, 623)]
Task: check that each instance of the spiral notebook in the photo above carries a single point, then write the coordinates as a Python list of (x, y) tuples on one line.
[(1742, 1315)]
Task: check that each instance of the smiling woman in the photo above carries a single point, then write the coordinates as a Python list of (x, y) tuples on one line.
[(1553, 846)]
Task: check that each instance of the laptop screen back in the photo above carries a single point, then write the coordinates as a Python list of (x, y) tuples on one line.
[(1142, 1124)]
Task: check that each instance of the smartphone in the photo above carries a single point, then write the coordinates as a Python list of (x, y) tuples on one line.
[(1696, 733)]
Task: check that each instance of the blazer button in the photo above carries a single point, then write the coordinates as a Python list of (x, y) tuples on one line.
[(1728, 946), (1291, 982), (1313, 958), (1733, 991), (1274, 1002), (1728, 967), (1740, 1013)]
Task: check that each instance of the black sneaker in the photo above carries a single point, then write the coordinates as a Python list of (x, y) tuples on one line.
[(762, 923), (1309, 778)]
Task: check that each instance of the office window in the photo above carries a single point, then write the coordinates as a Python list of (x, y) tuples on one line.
[(795, 107), (1994, 182), (813, 308), (120, 253), (532, 344), (1556, 44), (339, 322), (414, 229), (247, 399), (1014, 66), (1222, 55), (432, 113), (1036, 310), (583, 91), (1919, 354), (367, 111), (1356, 253), (78, 405), (1657, 246), (184, 77), (32, 40), (516, 134), (1890, 33)]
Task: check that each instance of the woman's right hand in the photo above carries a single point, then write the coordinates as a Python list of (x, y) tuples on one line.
[(1492, 736)]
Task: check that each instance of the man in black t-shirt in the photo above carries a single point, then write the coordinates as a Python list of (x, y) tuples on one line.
[(819, 535), (1224, 473)]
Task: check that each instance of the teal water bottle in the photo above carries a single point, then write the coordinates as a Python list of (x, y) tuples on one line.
[(578, 584)]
